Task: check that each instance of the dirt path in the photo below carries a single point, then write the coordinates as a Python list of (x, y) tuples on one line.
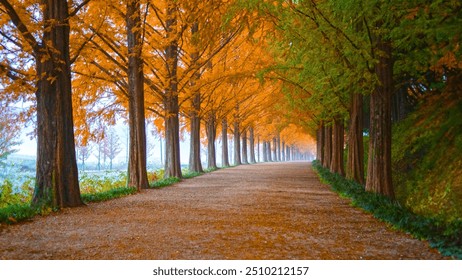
[(263, 211)]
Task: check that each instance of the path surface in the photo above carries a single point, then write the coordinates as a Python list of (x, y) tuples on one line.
[(263, 211)]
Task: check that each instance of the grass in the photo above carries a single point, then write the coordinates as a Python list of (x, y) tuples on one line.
[(17, 212), (108, 195), (164, 182), (444, 236)]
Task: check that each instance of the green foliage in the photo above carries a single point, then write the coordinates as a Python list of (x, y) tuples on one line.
[(164, 182), (10, 197), (191, 174), (108, 194), (443, 235), (14, 213), (427, 161), (101, 187), (96, 183)]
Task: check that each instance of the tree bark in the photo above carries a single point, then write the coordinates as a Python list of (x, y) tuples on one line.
[(327, 146), (237, 144), (137, 174), (336, 164), (355, 160), (224, 140), (258, 148), (211, 129), (379, 178), (172, 126), (244, 148), (278, 140), (265, 157), (57, 182), (320, 143), (268, 151), (252, 145), (274, 150), (195, 164), (283, 151)]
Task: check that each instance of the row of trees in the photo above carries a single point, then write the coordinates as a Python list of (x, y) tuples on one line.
[(106, 149), (84, 64), (353, 67)]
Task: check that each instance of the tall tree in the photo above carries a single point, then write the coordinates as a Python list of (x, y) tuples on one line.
[(171, 105), (252, 145), (56, 176), (244, 147), (355, 158), (224, 143), (379, 163), (137, 174)]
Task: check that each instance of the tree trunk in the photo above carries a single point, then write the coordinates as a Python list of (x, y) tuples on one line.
[(195, 164), (224, 140), (211, 129), (268, 151), (283, 151), (258, 148), (195, 143), (288, 153), (265, 158), (274, 151), (172, 124), (379, 178), (137, 176), (56, 176), (320, 143), (355, 160), (244, 148), (278, 140), (336, 164), (252, 145), (327, 146), (237, 144)]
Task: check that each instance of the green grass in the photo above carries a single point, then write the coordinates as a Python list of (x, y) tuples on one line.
[(108, 195), (17, 212), (164, 182), (445, 236)]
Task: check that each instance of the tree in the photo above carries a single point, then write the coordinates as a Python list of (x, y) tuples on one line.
[(137, 174), (9, 131), (111, 146), (47, 40), (83, 153)]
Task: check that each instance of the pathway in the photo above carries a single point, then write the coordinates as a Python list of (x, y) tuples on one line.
[(262, 211)]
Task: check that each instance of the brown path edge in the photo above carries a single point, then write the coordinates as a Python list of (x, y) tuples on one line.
[(260, 211)]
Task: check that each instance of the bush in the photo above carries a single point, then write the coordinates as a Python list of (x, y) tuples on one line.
[(10, 197), (426, 154), (96, 183)]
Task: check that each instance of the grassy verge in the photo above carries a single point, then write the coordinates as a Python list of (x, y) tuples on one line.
[(17, 212), (446, 237), (164, 182), (109, 194)]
